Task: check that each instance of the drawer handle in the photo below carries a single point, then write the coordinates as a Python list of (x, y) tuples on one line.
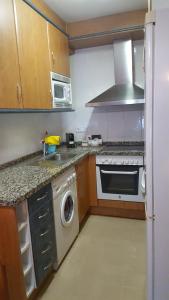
[(46, 250), (44, 215), (41, 198), (47, 267), (44, 233)]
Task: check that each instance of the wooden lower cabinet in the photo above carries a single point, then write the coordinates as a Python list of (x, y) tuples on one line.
[(3, 284), (82, 188), (123, 209), (12, 285)]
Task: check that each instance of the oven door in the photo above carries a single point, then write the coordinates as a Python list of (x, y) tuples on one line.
[(61, 92), (119, 182)]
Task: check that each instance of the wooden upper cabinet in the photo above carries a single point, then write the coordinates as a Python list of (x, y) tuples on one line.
[(10, 96), (59, 51), (33, 57)]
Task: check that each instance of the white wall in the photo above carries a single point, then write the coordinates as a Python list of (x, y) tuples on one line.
[(156, 4), (20, 134), (92, 72)]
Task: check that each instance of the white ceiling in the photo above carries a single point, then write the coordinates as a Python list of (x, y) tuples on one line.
[(76, 10)]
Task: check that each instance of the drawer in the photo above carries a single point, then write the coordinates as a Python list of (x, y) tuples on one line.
[(39, 198), (43, 240), (44, 265), (43, 216)]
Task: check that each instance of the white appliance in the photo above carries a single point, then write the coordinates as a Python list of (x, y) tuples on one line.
[(119, 178), (157, 153), (61, 91), (65, 212)]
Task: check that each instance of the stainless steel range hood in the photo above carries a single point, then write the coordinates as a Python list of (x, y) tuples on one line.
[(124, 91)]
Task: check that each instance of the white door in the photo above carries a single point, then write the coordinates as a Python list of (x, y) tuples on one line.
[(149, 79)]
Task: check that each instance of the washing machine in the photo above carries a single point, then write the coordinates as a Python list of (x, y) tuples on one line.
[(66, 212)]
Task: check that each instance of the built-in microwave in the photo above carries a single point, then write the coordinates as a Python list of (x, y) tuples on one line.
[(61, 91)]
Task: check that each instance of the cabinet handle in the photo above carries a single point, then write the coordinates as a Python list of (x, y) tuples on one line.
[(41, 198), (53, 58), (18, 91), (44, 215), (44, 233), (46, 250), (48, 266)]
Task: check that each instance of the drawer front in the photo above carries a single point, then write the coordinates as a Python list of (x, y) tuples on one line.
[(44, 252), (45, 265), (43, 238), (39, 198), (42, 216)]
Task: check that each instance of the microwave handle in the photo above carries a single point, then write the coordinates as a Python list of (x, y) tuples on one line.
[(119, 172)]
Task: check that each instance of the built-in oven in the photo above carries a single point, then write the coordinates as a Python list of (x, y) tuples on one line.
[(119, 178), (61, 91)]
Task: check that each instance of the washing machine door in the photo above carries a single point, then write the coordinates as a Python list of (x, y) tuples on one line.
[(67, 209)]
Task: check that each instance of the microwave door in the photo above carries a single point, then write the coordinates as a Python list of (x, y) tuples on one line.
[(59, 92)]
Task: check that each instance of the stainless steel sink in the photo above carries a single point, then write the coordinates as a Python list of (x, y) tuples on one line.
[(61, 157), (53, 160)]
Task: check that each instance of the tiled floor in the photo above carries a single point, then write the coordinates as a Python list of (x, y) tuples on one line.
[(107, 262)]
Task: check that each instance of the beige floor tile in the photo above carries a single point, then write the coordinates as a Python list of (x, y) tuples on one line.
[(107, 261)]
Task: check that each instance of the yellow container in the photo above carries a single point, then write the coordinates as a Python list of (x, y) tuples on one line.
[(53, 140)]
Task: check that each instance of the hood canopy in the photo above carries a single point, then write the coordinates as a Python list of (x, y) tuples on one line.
[(124, 91)]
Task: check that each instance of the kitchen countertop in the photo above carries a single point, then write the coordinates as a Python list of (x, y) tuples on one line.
[(19, 181)]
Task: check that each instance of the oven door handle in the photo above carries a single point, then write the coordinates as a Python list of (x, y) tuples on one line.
[(119, 172)]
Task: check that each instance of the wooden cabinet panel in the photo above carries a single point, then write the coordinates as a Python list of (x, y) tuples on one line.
[(9, 65), (92, 181), (33, 57), (59, 51), (41, 5), (10, 259), (82, 188), (3, 284)]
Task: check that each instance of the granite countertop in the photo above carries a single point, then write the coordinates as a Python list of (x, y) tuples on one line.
[(20, 180)]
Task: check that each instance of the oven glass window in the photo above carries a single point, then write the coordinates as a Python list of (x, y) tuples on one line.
[(119, 179), (58, 91)]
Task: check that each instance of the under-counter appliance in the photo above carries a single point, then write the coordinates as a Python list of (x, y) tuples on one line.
[(70, 140), (61, 91), (66, 212), (119, 177)]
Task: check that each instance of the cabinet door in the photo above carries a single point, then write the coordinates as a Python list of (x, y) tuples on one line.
[(59, 51), (33, 57), (10, 96), (82, 188)]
